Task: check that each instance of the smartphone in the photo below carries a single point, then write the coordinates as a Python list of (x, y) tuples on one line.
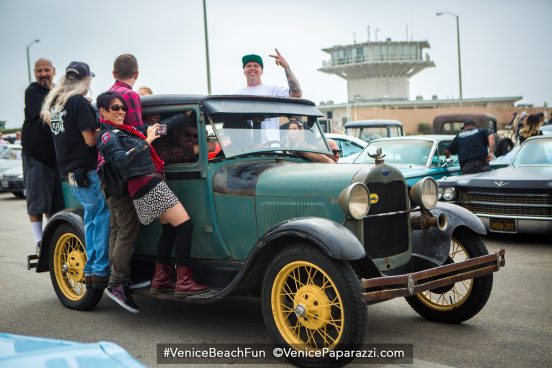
[(162, 130)]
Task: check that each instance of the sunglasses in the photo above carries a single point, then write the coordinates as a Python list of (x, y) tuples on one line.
[(336, 152), (118, 107), (190, 135)]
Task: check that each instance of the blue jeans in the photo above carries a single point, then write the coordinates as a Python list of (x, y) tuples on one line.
[(96, 225)]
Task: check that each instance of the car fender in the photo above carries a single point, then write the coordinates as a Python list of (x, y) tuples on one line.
[(73, 217), (331, 237), (433, 245)]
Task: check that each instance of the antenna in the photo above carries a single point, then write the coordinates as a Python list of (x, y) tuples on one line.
[(368, 31), (407, 32), (354, 37)]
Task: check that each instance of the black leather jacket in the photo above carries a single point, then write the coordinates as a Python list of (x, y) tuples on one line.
[(128, 152)]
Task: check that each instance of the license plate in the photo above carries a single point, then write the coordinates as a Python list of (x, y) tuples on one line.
[(503, 225), (5, 184)]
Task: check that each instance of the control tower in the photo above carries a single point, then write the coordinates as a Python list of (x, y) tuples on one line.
[(377, 70)]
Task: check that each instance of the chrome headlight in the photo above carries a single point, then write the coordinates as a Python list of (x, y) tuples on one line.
[(425, 193), (355, 200), (449, 193)]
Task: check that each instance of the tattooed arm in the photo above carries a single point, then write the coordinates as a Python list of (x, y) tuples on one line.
[(294, 87)]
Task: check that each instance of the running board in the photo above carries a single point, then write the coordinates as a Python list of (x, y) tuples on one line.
[(207, 297)]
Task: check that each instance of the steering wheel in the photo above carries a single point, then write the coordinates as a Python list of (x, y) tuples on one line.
[(270, 143)]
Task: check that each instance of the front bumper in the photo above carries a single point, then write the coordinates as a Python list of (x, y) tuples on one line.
[(389, 287)]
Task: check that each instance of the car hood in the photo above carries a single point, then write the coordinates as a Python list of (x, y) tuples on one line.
[(511, 177), (306, 179)]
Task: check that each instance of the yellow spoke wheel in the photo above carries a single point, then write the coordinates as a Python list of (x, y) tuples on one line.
[(67, 258), (312, 302), (462, 300), (69, 262), (452, 297), (307, 307)]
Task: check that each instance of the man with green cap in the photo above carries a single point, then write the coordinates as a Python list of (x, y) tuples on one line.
[(253, 70)]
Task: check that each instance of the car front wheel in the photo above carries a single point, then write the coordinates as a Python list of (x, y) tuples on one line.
[(461, 301), (312, 302), (67, 261)]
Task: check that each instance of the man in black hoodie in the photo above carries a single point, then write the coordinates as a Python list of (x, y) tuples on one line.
[(41, 175)]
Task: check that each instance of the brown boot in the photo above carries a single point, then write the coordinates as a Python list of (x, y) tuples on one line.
[(185, 284), (162, 282)]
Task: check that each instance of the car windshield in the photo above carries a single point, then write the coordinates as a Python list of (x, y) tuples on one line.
[(244, 134), (534, 152), (404, 151), (374, 132)]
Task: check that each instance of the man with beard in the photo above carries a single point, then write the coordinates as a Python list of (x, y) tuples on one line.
[(41, 175)]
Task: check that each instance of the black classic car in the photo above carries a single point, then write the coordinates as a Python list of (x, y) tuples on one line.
[(513, 199)]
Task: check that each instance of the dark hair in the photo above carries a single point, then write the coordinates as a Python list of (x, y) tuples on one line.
[(533, 119), (125, 66), (106, 98)]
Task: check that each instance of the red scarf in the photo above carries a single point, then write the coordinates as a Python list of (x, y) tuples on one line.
[(159, 164)]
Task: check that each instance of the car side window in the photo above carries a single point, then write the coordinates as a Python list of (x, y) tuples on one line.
[(180, 144), (439, 158)]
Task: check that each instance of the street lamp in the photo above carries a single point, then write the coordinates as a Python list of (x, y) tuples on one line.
[(458, 39), (28, 58), (207, 48)]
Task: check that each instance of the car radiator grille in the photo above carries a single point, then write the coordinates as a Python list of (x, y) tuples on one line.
[(507, 204), (387, 235)]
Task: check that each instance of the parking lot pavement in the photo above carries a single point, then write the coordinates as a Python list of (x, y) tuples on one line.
[(513, 330)]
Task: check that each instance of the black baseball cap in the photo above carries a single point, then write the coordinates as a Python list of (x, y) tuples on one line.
[(78, 70)]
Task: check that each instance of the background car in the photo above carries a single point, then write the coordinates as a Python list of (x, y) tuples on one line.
[(368, 130), (454, 123), (547, 129), (349, 146), (513, 199), (11, 180), (10, 156), (415, 156), (26, 351)]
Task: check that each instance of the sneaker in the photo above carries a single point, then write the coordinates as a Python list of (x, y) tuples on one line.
[(121, 295), (139, 285)]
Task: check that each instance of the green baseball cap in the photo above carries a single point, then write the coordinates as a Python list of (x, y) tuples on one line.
[(252, 58)]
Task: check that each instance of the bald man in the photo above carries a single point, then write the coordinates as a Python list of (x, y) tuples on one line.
[(41, 175)]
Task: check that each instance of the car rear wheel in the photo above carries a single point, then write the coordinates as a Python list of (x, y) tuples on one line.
[(461, 301), (67, 261), (311, 301)]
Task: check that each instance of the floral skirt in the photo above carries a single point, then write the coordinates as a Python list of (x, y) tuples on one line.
[(154, 203)]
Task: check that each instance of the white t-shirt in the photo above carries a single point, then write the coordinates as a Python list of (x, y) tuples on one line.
[(270, 128)]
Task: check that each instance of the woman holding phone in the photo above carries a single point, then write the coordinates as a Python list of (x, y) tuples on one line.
[(130, 150)]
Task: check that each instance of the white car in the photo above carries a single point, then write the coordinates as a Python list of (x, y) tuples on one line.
[(349, 146)]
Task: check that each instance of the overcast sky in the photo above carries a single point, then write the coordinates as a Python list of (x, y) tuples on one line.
[(506, 48)]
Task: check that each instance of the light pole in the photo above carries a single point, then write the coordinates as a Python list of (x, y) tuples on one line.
[(207, 48), (458, 40), (29, 59)]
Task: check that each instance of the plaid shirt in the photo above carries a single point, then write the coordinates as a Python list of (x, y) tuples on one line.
[(132, 99)]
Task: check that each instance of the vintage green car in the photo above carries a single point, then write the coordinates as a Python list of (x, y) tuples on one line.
[(316, 242)]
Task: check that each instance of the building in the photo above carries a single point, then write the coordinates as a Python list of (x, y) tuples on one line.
[(414, 112), (376, 70), (377, 75)]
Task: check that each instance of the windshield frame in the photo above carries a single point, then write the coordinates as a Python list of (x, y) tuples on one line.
[(311, 124)]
